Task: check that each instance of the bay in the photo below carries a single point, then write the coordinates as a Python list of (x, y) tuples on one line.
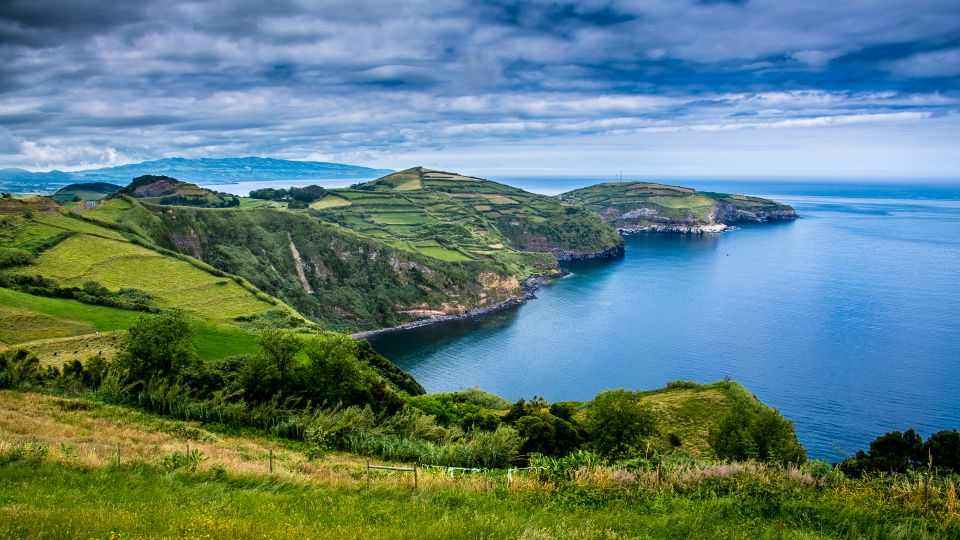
[(845, 320)]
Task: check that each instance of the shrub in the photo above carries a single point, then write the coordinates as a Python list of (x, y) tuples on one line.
[(182, 460), (14, 257), (19, 369), (897, 452), (159, 346), (480, 398), (756, 432), (481, 420), (943, 448), (546, 434), (618, 423)]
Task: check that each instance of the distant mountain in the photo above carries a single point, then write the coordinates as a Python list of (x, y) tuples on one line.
[(198, 171)]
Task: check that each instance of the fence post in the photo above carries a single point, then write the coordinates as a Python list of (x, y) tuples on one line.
[(368, 473), (118, 455), (271, 461), (415, 483)]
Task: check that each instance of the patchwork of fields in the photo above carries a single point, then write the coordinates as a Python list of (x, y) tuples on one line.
[(456, 218), (72, 253), (632, 203)]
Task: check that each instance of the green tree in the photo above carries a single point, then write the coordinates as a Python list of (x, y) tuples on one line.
[(944, 448), (160, 345), (756, 432), (333, 373), (618, 423), (280, 347), (546, 434)]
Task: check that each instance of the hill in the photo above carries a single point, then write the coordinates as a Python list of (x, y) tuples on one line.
[(456, 217), (376, 255), (198, 171), (170, 191), (53, 257), (645, 206), (91, 191)]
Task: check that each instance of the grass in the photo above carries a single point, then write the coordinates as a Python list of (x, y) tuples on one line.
[(417, 205), (74, 489), (58, 330), (443, 254), (25, 317), (174, 283), (671, 203), (329, 201)]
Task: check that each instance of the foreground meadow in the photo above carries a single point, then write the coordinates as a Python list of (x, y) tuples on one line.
[(59, 479)]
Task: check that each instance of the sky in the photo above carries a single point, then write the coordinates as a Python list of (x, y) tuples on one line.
[(700, 88)]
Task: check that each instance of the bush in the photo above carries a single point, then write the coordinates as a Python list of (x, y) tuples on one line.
[(14, 257), (546, 434), (182, 460), (619, 422), (897, 452), (19, 369), (756, 432), (159, 346)]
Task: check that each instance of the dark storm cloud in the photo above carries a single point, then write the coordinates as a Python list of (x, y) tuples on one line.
[(93, 81)]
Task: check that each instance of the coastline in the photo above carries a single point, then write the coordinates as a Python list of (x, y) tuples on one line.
[(529, 287)]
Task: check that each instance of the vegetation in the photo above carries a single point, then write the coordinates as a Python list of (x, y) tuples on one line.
[(170, 191), (65, 482), (644, 204), (454, 217), (906, 452), (348, 282), (306, 194), (89, 191)]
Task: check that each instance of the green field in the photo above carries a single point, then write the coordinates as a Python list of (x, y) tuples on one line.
[(661, 203), (44, 326), (418, 206), (25, 317), (174, 283)]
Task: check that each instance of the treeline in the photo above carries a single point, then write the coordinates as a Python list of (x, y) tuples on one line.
[(296, 197), (904, 452)]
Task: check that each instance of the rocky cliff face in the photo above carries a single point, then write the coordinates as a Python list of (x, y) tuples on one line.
[(606, 253), (728, 214), (644, 206)]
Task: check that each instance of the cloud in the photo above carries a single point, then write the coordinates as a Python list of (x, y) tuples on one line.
[(81, 83)]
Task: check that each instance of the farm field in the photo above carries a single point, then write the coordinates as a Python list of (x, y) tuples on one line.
[(59, 330), (660, 203), (454, 217), (174, 283)]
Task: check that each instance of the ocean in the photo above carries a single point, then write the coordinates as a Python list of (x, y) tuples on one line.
[(845, 320)]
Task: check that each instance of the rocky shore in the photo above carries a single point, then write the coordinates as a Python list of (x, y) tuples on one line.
[(607, 253), (528, 286), (723, 218)]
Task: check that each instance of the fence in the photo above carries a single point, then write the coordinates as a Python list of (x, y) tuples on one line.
[(387, 468)]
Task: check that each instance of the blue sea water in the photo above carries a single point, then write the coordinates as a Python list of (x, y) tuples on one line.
[(846, 320)]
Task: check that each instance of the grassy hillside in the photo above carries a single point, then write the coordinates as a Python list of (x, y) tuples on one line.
[(71, 253), (92, 191), (649, 206), (454, 217), (333, 275), (411, 245), (58, 478)]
